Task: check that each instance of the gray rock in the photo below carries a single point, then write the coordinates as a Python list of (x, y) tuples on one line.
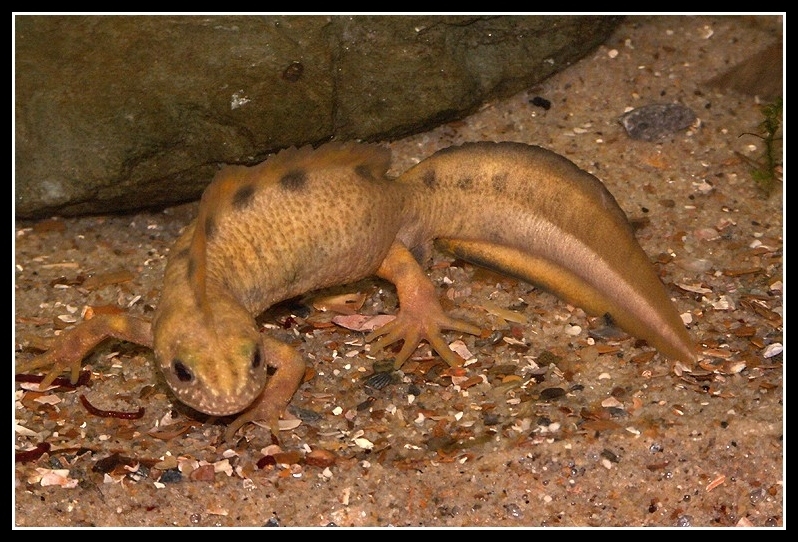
[(124, 113), (656, 121)]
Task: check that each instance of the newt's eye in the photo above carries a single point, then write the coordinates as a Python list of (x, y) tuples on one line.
[(181, 371), (256, 359)]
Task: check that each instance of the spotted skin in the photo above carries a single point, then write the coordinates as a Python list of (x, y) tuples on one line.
[(307, 219)]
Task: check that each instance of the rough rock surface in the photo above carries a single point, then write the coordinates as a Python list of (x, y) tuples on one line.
[(124, 113)]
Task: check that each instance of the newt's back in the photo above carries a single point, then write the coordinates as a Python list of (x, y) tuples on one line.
[(302, 220)]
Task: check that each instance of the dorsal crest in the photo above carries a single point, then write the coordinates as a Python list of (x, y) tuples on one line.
[(211, 207), (373, 158)]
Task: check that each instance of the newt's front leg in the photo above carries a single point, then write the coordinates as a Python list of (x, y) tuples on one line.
[(420, 315), (287, 370), (73, 345)]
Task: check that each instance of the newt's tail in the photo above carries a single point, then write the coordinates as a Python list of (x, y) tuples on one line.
[(530, 213)]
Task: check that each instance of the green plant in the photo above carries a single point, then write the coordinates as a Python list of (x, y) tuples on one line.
[(766, 170)]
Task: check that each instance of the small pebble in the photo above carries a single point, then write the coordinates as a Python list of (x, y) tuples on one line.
[(653, 122), (551, 393), (773, 350), (541, 102), (171, 476), (378, 381), (514, 510)]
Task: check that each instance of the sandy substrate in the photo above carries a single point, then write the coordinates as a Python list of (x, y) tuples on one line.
[(549, 427)]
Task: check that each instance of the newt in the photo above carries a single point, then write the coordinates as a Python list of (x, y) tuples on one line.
[(307, 219)]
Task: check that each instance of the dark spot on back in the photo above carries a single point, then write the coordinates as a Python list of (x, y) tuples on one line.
[(210, 227), (499, 182), (294, 179), (182, 254), (465, 183), (243, 197), (364, 171), (429, 179)]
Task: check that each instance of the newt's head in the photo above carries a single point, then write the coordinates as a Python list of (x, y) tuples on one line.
[(217, 365)]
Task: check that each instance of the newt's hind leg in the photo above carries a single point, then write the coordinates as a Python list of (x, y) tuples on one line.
[(420, 315), (73, 345)]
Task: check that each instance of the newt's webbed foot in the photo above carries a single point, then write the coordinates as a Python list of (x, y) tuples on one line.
[(413, 327), (268, 413), (420, 316), (73, 345), (58, 364)]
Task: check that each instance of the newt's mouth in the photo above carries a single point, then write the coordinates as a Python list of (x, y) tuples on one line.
[(203, 399)]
